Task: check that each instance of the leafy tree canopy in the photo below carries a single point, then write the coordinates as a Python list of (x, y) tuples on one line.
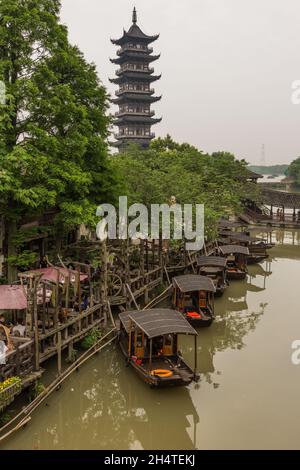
[(218, 181)]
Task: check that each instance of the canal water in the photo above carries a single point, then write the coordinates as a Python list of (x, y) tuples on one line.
[(248, 396)]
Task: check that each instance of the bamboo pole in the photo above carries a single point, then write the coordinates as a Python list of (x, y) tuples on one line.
[(132, 296), (53, 386), (59, 353)]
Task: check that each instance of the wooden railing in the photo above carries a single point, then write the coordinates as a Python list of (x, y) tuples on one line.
[(75, 328), (18, 362)]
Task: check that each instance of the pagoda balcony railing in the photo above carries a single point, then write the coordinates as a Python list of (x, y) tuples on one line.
[(151, 135), (146, 49), (151, 91), (129, 68), (135, 113)]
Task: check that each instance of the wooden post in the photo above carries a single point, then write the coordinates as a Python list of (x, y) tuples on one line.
[(150, 358), (147, 256), (153, 254), (142, 260), (196, 356), (79, 288), (129, 339), (36, 327), (91, 287), (70, 351), (59, 353), (56, 300), (67, 298), (44, 309)]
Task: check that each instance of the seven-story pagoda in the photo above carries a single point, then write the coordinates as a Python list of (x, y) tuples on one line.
[(135, 95)]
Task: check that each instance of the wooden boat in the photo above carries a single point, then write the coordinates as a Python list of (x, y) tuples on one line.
[(236, 260), (193, 296), (149, 341), (257, 246), (214, 267)]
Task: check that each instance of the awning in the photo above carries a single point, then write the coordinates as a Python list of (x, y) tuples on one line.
[(50, 274), (234, 249), (157, 322), (213, 261), (193, 282), (12, 298)]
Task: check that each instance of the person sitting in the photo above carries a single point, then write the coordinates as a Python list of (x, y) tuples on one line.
[(19, 329)]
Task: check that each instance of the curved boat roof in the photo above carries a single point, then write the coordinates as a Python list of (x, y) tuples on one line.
[(193, 283), (157, 322), (234, 249), (211, 261)]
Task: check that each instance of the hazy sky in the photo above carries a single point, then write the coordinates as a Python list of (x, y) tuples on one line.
[(227, 68)]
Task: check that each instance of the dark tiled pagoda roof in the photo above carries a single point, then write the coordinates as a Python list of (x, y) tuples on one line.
[(135, 76), (132, 97), (135, 56), (128, 118), (157, 322), (134, 33)]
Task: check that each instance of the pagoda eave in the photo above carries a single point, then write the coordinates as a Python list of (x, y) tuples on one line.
[(128, 37), (135, 76), (128, 119), (134, 56), (138, 97)]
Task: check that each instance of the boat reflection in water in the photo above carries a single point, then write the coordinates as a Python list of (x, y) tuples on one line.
[(242, 358), (233, 321)]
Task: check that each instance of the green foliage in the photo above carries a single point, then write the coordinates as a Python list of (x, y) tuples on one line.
[(218, 181), (23, 260), (73, 356), (91, 339), (294, 170), (36, 390), (54, 123)]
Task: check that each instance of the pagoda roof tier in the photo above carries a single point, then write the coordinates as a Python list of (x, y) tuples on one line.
[(130, 97), (135, 56), (134, 34), (137, 119), (135, 77), (139, 140)]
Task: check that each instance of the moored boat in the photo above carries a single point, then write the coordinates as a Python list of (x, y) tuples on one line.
[(193, 296), (236, 261), (149, 341), (214, 267)]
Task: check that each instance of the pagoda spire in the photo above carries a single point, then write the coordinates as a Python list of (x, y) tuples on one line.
[(134, 16)]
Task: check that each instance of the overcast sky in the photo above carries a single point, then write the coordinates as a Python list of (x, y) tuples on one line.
[(227, 68)]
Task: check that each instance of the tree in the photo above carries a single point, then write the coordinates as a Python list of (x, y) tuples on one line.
[(218, 181), (53, 127), (294, 170)]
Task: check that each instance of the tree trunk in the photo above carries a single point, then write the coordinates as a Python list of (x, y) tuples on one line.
[(12, 272)]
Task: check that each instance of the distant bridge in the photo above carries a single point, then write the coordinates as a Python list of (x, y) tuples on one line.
[(288, 204)]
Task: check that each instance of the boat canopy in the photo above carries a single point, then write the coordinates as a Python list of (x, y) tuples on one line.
[(157, 322), (242, 237), (234, 249), (211, 261), (193, 282)]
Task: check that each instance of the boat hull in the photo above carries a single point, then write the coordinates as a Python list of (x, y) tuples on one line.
[(236, 275), (161, 382)]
